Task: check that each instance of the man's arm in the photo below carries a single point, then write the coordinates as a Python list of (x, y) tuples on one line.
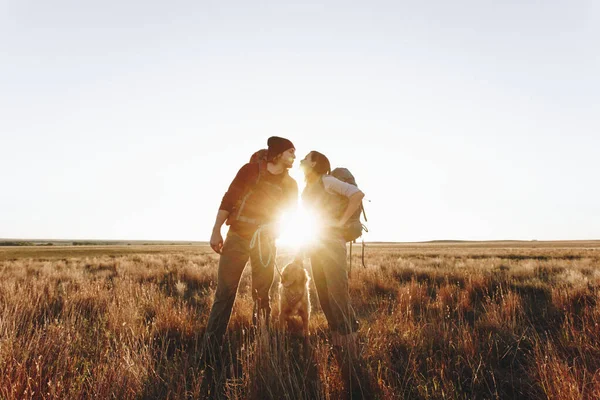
[(216, 239), (235, 191), (246, 174)]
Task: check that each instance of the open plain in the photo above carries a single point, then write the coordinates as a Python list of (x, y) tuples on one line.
[(439, 320)]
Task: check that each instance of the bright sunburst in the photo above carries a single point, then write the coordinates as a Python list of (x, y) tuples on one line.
[(298, 228)]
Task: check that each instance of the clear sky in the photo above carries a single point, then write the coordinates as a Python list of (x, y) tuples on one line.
[(460, 119)]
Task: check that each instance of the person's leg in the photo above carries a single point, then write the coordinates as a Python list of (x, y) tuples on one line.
[(318, 262), (336, 276), (233, 259), (332, 268), (263, 267)]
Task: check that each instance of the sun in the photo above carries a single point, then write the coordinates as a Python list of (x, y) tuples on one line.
[(298, 228)]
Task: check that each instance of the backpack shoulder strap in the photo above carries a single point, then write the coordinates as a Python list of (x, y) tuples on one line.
[(362, 207), (262, 169)]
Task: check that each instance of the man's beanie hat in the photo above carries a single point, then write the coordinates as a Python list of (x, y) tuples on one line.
[(278, 145)]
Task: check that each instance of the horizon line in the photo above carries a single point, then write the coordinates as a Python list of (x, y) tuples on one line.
[(48, 240)]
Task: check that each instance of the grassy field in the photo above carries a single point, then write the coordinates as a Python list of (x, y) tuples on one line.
[(489, 320)]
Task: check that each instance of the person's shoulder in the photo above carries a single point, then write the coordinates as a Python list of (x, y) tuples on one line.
[(329, 180), (250, 167), (248, 171), (337, 186)]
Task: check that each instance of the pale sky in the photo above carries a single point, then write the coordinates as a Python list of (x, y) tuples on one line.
[(460, 119)]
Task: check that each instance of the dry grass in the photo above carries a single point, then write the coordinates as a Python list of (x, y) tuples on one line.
[(438, 321)]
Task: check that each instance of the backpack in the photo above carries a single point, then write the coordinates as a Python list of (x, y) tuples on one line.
[(354, 227), (258, 156)]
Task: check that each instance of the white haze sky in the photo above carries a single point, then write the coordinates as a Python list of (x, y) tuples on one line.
[(460, 119)]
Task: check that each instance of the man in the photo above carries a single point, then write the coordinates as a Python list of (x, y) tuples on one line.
[(251, 207)]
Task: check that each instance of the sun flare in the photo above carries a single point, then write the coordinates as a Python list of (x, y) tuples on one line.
[(297, 228)]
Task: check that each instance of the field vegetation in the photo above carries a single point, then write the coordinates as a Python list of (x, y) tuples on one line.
[(440, 320)]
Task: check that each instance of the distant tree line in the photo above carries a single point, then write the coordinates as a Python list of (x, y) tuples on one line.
[(16, 243)]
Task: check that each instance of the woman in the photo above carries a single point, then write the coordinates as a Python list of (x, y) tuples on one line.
[(332, 202)]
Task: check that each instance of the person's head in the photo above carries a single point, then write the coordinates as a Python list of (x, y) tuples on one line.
[(281, 151), (315, 164)]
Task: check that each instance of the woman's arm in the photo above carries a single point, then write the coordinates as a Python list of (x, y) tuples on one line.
[(354, 195), (353, 205)]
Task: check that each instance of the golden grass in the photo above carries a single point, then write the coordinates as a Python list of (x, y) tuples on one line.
[(438, 321)]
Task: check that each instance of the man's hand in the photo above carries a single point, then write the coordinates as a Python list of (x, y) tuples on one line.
[(216, 241)]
